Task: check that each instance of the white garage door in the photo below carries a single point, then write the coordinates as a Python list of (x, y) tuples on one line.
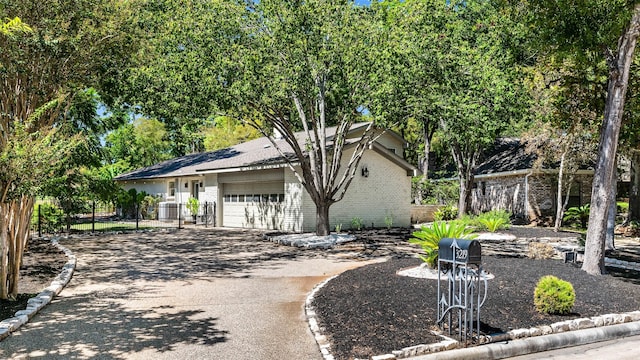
[(253, 205)]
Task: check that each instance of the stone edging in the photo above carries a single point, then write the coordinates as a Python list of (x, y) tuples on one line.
[(38, 302), (310, 312)]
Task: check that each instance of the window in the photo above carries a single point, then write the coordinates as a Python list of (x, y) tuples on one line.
[(273, 198), (234, 198), (240, 198), (227, 198), (172, 189)]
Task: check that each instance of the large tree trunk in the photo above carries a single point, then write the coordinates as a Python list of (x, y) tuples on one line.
[(322, 219), (603, 178), (424, 164), (15, 217), (634, 191), (466, 158), (466, 185)]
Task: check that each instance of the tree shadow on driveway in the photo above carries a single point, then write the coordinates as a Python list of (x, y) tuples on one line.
[(89, 326), (187, 254)]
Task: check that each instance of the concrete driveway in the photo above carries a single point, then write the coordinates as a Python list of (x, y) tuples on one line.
[(190, 294)]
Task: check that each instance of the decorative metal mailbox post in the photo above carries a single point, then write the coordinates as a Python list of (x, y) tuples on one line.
[(461, 261)]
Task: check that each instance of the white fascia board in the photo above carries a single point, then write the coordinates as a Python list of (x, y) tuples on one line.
[(526, 172), (247, 168)]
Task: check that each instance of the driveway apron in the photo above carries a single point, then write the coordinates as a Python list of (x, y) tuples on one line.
[(188, 294)]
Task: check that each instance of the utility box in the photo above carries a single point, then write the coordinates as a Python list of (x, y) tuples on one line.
[(460, 251)]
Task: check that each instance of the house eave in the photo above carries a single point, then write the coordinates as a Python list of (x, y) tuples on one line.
[(526, 172)]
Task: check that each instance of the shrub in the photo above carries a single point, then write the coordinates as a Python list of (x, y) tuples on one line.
[(357, 223), (388, 221), (553, 296), (428, 238), (622, 207), (445, 213), (193, 205), (578, 213), (494, 220), (51, 218), (541, 251)]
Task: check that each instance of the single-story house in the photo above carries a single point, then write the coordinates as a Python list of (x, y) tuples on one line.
[(507, 179), (252, 186)]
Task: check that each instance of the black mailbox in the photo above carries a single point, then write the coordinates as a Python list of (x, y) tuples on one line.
[(460, 251)]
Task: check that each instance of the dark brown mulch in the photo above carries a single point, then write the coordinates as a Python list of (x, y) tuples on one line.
[(372, 311), (41, 263)]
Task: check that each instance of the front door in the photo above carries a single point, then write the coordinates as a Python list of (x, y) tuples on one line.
[(195, 188)]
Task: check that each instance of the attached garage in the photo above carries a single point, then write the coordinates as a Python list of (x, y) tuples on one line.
[(251, 185), (253, 205)]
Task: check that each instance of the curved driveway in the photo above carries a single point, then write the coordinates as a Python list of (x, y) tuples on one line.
[(190, 294)]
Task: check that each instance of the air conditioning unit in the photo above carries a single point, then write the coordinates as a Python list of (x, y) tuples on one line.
[(167, 211)]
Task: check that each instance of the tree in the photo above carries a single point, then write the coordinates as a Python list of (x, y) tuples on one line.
[(568, 149), (475, 91), (308, 65), (138, 144), (72, 46), (280, 66), (591, 32), (407, 73)]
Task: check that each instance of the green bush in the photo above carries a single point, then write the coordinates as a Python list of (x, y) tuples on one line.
[(622, 207), (357, 223), (428, 238), (51, 218), (437, 192), (494, 220), (553, 296), (578, 213), (445, 213), (193, 205)]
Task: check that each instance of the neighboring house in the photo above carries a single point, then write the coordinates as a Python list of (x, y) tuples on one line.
[(508, 180), (252, 186)]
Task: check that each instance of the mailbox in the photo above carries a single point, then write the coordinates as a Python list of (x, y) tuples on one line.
[(460, 251)]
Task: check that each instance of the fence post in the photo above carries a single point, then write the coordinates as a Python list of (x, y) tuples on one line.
[(93, 216), (136, 206), (39, 220), (179, 215), (206, 214)]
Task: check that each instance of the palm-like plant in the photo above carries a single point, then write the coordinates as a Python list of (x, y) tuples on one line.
[(578, 213), (495, 220), (428, 238)]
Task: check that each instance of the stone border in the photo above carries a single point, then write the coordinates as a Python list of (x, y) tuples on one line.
[(38, 302), (310, 312)]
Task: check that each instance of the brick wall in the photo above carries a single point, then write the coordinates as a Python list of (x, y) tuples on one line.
[(510, 193)]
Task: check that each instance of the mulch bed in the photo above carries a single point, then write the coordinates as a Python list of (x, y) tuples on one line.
[(372, 311), (41, 263)]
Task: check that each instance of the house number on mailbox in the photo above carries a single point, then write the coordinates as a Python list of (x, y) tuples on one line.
[(461, 254)]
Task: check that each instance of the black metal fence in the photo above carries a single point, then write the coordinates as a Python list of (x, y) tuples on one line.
[(93, 216)]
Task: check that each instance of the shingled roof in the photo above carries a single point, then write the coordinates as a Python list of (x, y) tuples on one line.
[(258, 152), (508, 154)]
